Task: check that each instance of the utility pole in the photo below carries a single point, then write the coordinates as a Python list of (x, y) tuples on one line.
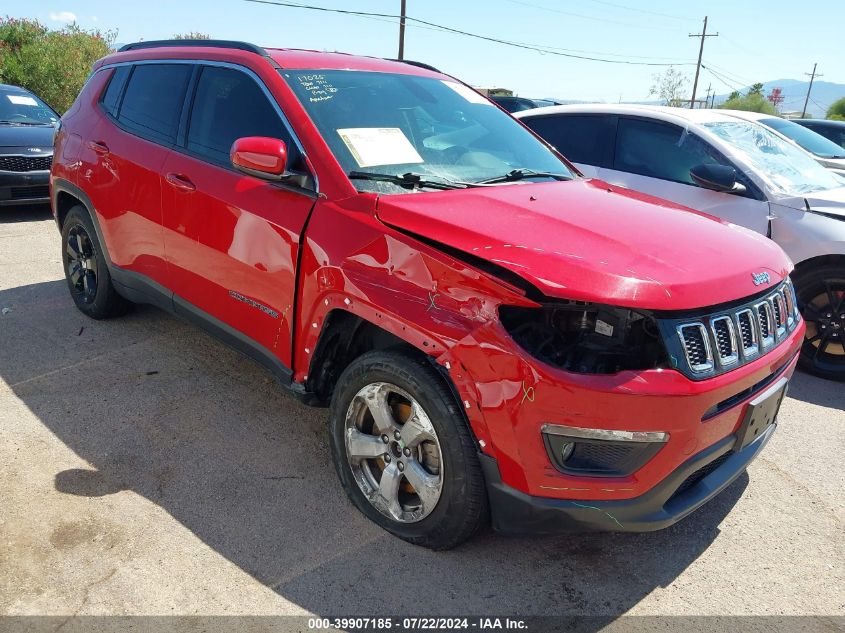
[(810, 87), (402, 32), (707, 98), (702, 35)]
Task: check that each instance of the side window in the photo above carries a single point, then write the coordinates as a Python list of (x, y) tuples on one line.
[(229, 105), (153, 100), (583, 139), (111, 95), (660, 150)]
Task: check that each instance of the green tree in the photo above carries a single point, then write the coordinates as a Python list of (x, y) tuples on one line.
[(836, 111), (670, 86), (756, 89), (192, 35), (752, 101), (53, 64)]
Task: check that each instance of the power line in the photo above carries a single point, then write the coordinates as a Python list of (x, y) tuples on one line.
[(589, 17), (729, 74), (645, 11), (532, 47), (723, 80)]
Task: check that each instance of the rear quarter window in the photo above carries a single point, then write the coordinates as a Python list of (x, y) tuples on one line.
[(586, 139), (111, 96), (153, 101)]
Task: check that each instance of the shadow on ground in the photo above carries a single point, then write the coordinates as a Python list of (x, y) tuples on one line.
[(162, 410), (825, 393), (25, 213)]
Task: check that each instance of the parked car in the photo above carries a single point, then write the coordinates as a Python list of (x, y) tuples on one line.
[(514, 104), (736, 170), (831, 130), (825, 151), (27, 126), (491, 331)]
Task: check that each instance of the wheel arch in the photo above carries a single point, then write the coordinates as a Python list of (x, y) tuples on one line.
[(343, 338), (833, 259)]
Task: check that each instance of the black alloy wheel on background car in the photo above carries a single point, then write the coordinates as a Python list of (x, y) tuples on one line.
[(821, 298)]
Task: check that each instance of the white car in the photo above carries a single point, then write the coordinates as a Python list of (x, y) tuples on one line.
[(825, 151), (735, 169)]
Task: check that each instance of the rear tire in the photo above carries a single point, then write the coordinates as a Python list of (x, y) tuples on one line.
[(86, 269), (821, 298), (412, 468)]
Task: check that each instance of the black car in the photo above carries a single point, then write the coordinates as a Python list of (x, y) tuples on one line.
[(27, 127), (833, 130), (514, 104)]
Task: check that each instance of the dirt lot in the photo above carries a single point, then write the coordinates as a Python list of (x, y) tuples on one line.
[(147, 469)]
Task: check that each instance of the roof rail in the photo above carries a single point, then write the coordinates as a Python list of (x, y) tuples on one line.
[(411, 62), (243, 46)]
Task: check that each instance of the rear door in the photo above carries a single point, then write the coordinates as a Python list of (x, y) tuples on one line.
[(232, 239), (585, 139), (655, 157), (141, 108)]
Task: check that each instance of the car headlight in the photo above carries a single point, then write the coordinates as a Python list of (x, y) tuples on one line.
[(587, 338)]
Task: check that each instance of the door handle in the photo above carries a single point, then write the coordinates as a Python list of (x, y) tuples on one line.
[(181, 182), (99, 147)]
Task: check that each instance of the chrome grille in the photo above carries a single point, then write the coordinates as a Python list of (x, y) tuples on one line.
[(697, 346), (764, 314), (25, 163), (726, 339), (723, 331), (747, 324)]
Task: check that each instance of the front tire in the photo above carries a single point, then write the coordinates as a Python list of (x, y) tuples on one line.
[(403, 450), (86, 269), (821, 298)]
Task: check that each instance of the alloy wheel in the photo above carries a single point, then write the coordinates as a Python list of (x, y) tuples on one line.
[(823, 309), (81, 264), (393, 452)]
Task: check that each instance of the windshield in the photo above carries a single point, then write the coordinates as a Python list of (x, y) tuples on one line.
[(806, 138), (25, 109), (786, 169), (396, 124)]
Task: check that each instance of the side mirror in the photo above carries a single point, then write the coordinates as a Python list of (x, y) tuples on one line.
[(717, 177), (260, 156)]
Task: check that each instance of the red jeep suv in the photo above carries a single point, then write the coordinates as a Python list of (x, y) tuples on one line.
[(498, 338)]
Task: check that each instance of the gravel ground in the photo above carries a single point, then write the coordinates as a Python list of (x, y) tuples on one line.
[(147, 469)]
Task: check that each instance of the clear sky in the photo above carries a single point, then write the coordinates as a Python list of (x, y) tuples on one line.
[(758, 41)]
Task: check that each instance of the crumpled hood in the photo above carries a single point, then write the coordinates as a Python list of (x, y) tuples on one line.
[(586, 240), (25, 136), (830, 202)]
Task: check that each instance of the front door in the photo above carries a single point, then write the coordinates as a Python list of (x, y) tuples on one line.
[(232, 239), (655, 157)]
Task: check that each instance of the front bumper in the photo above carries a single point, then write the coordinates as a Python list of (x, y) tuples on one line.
[(27, 187), (711, 471)]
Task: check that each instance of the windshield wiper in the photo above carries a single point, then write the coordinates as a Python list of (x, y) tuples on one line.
[(409, 180), (7, 122), (519, 174)]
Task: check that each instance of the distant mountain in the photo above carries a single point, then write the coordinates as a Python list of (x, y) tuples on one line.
[(794, 92)]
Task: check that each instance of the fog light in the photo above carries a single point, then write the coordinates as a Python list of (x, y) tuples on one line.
[(600, 452), (566, 451)]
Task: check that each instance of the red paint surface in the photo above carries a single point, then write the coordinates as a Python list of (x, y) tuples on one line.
[(574, 240)]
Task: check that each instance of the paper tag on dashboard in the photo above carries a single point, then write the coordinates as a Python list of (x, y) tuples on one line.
[(371, 146), (22, 100), (604, 328), (467, 93)]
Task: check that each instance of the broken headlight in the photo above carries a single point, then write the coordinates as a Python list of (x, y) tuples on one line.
[(586, 338)]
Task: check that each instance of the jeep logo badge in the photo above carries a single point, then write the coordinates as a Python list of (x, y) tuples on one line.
[(760, 278)]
